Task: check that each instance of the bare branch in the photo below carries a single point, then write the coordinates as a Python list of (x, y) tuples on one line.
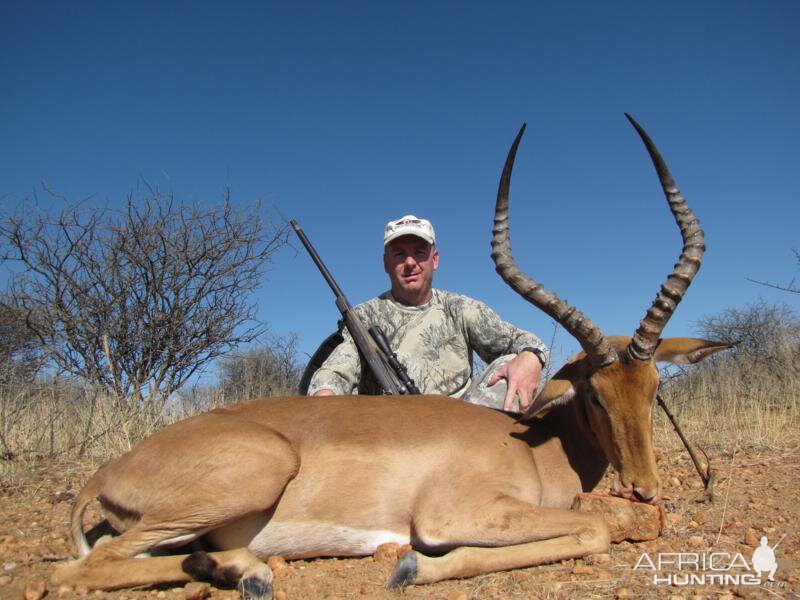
[(790, 287)]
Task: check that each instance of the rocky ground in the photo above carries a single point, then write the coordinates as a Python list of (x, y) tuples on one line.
[(757, 493)]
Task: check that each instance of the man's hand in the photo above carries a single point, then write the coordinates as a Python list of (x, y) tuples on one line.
[(323, 392), (522, 374)]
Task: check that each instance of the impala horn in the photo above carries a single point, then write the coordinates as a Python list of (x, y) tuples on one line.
[(591, 339), (646, 337)]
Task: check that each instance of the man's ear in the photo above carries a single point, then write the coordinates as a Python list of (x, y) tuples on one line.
[(435, 258), (385, 260), (687, 351)]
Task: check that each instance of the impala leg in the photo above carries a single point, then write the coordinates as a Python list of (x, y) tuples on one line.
[(112, 566), (504, 534), (227, 568), (188, 504)]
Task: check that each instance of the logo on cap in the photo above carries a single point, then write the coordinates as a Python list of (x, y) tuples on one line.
[(409, 225)]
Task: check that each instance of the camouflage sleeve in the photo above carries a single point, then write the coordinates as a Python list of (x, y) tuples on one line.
[(341, 371), (491, 337)]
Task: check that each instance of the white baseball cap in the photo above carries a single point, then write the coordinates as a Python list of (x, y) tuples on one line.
[(409, 225)]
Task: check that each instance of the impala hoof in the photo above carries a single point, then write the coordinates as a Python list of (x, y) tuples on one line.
[(405, 571), (201, 566), (256, 588)]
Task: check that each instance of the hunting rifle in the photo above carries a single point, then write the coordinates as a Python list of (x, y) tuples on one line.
[(372, 343)]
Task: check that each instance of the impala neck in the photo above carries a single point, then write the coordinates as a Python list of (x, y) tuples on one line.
[(583, 452)]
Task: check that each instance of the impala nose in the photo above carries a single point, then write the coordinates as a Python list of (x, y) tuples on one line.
[(648, 496), (648, 492)]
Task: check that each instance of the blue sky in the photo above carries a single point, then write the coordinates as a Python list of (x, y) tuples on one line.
[(345, 115)]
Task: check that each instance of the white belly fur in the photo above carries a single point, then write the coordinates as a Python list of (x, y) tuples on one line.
[(309, 539), (302, 539)]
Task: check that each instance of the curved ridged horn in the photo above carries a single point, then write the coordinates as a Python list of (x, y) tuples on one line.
[(645, 340), (591, 339)]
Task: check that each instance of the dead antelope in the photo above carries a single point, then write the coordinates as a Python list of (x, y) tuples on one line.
[(473, 490)]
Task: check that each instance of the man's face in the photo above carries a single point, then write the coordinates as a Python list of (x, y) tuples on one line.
[(411, 262)]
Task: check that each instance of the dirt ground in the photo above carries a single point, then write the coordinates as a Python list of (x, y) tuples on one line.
[(757, 494)]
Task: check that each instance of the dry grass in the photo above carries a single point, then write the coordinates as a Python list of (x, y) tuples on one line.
[(736, 400)]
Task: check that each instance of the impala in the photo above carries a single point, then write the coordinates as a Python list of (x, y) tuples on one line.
[(473, 490)]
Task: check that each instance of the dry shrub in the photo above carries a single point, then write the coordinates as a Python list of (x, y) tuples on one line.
[(747, 397), (261, 372)]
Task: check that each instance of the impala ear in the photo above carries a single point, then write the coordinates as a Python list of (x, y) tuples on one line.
[(687, 351), (555, 393)]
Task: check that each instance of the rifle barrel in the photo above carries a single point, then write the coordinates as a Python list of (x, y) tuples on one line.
[(317, 260)]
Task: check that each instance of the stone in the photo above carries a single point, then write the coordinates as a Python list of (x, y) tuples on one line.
[(624, 592), (696, 541), (701, 517), (280, 595), (626, 520), (386, 553), (673, 518), (278, 565), (602, 558), (64, 590), (674, 482), (196, 590), (751, 537), (35, 590), (605, 575), (580, 569)]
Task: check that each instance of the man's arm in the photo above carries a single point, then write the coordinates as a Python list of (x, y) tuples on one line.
[(491, 337), (341, 371)]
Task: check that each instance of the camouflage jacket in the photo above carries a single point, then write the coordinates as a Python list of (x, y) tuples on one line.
[(435, 342)]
